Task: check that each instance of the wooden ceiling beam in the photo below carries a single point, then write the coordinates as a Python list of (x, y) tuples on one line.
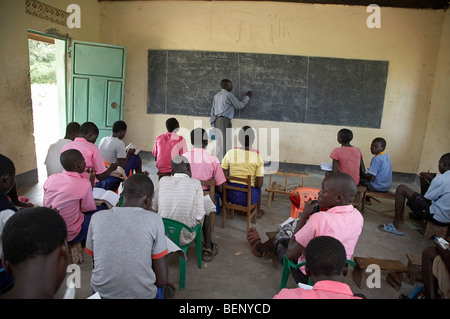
[(410, 4)]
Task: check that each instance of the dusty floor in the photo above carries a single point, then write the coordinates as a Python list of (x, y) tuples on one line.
[(235, 273)]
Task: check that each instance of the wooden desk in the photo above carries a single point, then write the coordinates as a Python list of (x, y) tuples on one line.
[(395, 270), (276, 188)]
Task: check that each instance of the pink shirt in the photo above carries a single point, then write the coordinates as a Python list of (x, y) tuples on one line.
[(71, 194), (324, 289), (167, 146), (349, 158), (91, 154), (204, 166), (344, 223)]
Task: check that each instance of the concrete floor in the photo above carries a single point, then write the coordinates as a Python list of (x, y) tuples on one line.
[(235, 273)]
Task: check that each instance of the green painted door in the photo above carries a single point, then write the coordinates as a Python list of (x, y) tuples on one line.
[(97, 85)]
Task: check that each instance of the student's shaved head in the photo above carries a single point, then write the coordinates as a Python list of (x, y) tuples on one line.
[(70, 158), (180, 164), (137, 186), (344, 184)]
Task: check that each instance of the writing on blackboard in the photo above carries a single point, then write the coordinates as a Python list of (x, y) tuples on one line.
[(286, 88)]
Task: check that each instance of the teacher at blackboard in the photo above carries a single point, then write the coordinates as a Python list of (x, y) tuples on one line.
[(222, 112)]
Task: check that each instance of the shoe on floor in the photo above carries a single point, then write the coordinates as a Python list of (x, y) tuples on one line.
[(390, 228), (209, 253)]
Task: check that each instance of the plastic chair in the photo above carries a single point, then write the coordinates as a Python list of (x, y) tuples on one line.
[(305, 194), (287, 264), (173, 229)]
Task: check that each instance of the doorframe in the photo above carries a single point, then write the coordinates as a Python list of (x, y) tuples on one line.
[(67, 42)]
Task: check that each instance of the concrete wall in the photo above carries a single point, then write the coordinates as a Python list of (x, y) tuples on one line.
[(409, 39), (415, 42), (16, 120), (437, 134)]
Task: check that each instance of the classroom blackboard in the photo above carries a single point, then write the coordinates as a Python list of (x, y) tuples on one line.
[(286, 88)]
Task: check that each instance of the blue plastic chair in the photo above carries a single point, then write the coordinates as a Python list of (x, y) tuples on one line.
[(173, 229)]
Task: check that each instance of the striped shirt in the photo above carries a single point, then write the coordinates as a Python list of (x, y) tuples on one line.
[(180, 198)]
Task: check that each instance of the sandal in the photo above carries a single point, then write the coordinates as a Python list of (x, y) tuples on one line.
[(253, 236), (169, 291), (390, 228), (253, 239), (209, 253), (261, 213)]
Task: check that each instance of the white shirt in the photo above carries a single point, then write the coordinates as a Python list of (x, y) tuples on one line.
[(111, 149), (180, 197), (52, 160)]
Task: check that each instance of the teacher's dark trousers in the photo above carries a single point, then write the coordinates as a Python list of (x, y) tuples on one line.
[(222, 123)]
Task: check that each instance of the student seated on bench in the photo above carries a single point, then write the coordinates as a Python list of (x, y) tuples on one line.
[(85, 143), (326, 265), (347, 158), (204, 165), (71, 195), (113, 150), (434, 206), (341, 221), (167, 146), (379, 176), (436, 272), (7, 209), (52, 162)]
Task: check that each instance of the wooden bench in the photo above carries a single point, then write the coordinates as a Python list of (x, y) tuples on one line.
[(435, 230), (357, 201), (279, 189), (414, 267), (395, 270)]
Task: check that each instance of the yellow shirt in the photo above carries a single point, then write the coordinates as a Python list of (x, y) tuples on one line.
[(242, 163)]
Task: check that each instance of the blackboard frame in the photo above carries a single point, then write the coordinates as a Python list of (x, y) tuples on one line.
[(286, 88)]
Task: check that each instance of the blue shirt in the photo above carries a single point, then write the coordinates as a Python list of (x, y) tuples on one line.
[(381, 168), (5, 203), (224, 104), (439, 194)]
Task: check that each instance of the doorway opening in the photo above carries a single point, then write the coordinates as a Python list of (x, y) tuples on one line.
[(48, 93)]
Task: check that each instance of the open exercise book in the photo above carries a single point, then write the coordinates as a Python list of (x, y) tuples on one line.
[(326, 166), (136, 148), (173, 248), (101, 196), (120, 173)]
